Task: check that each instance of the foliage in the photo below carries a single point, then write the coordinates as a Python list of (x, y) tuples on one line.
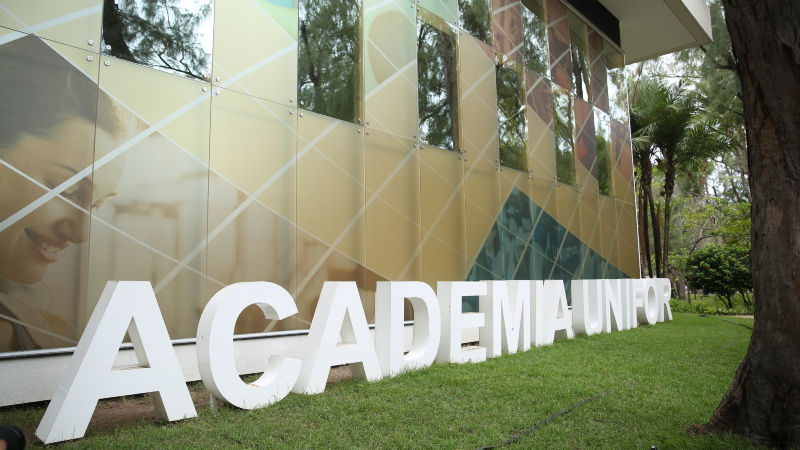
[(721, 270), (438, 86), (702, 218), (704, 308), (329, 58), (160, 34)]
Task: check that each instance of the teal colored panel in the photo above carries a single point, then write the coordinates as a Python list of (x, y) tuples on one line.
[(547, 236), (572, 253)]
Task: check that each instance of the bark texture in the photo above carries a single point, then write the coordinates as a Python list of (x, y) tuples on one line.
[(763, 401)]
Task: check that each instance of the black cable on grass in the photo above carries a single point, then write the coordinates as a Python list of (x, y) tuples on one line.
[(735, 323), (591, 399)]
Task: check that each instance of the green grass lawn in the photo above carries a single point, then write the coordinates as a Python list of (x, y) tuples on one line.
[(476, 405)]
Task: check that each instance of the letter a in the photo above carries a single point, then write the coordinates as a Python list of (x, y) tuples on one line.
[(339, 310), (90, 376)]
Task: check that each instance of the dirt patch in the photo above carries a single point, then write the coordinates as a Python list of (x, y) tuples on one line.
[(127, 411)]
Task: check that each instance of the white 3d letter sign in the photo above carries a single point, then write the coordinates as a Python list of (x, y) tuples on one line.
[(123, 305), (389, 297), (512, 316), (339, 311), (507, 307), (215, 346), (450, 295)]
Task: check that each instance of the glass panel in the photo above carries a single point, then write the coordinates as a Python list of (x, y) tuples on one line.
[(329, 76), (507, 20), (393, 211), (437, 51), (517, 219), (605, 165), (608, 230), (617, 86), (569, 212), (445, 9), (47, 127), (593, 266), (76, 23), (564, 123), (253, 143), (597, 60), (331, 237), (174, 36), (478, 101), (511, 115), (390, 60), (482, 188), (267, 66), (623, 175), (541, 137), (548, 233), (581, 78), (585, 145), (443, 216), (534, 28), (154, 227), (558, 39), (476, 18), (628, 239), (590, 220)]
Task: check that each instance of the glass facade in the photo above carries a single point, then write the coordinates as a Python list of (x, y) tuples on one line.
[(329, 141)]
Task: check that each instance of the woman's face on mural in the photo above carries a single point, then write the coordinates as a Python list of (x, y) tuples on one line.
[(35, 241)]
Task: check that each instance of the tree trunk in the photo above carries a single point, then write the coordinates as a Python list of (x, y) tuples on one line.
[(763, 401), (646, 234), (656, 233), (669, 188)]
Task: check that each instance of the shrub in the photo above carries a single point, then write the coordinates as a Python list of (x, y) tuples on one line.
[(721, 270)]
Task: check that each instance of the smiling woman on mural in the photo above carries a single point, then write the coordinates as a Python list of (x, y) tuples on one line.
[(47, 137)]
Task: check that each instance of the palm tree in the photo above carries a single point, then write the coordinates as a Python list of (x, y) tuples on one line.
[(648, 107), (685, 139)]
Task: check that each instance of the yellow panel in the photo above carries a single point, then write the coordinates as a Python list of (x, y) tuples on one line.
[(253, 146), (73, 22), (482, 188), (628, 239), (446, 9), (608, 216), (443, 216), (393, 207), (316, 264), (153, 228), (330, 183), (544, 194), (541, 146), (627, 226), (569, 214), (591, 225), (255, 49), (390, 79), (48, 130), (478, 100)]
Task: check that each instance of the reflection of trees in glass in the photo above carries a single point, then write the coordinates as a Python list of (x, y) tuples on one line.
[(534, 31), (329, 58), (438, 87), (564, 125), (580, 70), (476, 18), (604, 164), (618, 95), (162, 34), (511, 116)]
